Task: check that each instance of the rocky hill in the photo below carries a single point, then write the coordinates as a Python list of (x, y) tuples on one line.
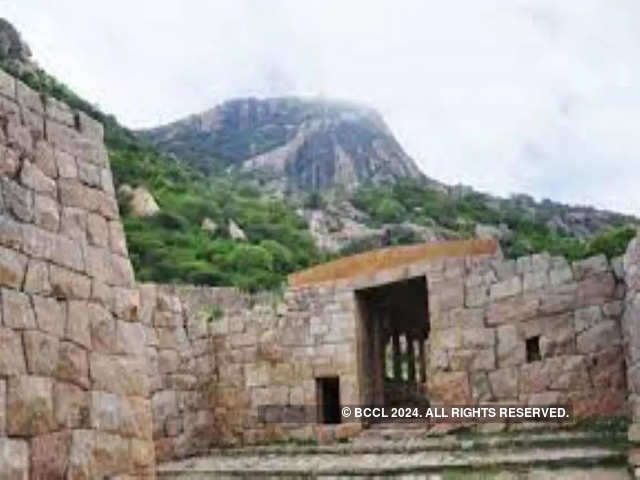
[(296, 146), (206, 213), (306, 145)]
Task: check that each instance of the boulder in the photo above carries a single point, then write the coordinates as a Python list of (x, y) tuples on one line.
[(142, 203), (235, 231), (209, 225)]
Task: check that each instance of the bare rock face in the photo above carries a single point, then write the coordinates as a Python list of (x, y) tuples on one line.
[(209, 225), (312, 144), (235, 231), (11, 44), (140, 201)]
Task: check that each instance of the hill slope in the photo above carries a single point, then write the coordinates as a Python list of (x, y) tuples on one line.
[(305, 144), (173, 246)]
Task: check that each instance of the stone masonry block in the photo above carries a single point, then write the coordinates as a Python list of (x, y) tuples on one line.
[(14, 459), (49, 455), (12, 268), (16, 310), (50, 315), (68, 284), (37, 277), (29, 406), (42, 352), (71, 407), (589, 266), (73, 365), (506, 288)]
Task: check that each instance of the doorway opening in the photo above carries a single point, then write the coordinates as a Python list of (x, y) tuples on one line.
[(394, 329), (328, 399)]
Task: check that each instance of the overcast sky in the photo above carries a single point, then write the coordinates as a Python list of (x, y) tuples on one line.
[(540, 97)]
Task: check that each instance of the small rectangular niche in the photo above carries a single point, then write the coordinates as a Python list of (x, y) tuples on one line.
[(533, 349), (328, 399)]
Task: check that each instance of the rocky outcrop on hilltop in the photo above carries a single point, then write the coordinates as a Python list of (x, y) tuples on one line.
[(313, 145), (12, 47)]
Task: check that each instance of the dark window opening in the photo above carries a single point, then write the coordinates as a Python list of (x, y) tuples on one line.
[(328, 395), (533, 349)]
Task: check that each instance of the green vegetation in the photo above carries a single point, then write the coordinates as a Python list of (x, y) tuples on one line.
[(458, 215), (172, 247)]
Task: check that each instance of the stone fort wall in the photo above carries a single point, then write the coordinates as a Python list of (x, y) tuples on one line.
[(74, 394), (101, 377)]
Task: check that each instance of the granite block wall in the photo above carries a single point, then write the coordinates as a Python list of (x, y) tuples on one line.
[(103, 377), (74, 395), (484, 315)]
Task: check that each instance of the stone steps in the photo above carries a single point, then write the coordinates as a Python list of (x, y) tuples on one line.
[(370, 444), (425, 464)]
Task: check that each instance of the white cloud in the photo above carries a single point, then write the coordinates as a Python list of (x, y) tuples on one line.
[(537, 96)]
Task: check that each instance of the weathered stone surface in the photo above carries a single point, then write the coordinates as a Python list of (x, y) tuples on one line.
[(117, 238), (29, 406), (73, 223), (111, 454), (596, 289), (506, 288), (106, 412), (510, 346), (97, 230), (480, 388), (81, 455), (130, 338), (12, 359), (45, 213), (446, 295), (68, 284), (558, 373), (71, 406), (14, 459), (11, 233), (607, 369), (9, 160), (450, 387), (49, 455), (142, 455), (32, 177), (42, 352), (50, 315), (504, 383), (103, 329), (12, 268), (17, 199), (589, 266), (66, 164), (587, 317), (78, 327), (120, 375), (559, 299), (126, 303), (73, 365), (89, 174), (559, 276), (37, 277), (536, 280), (163, 404), (16, 310), (56, 248), (512, 310), (600, 336), (558, 336), (478, 338)]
